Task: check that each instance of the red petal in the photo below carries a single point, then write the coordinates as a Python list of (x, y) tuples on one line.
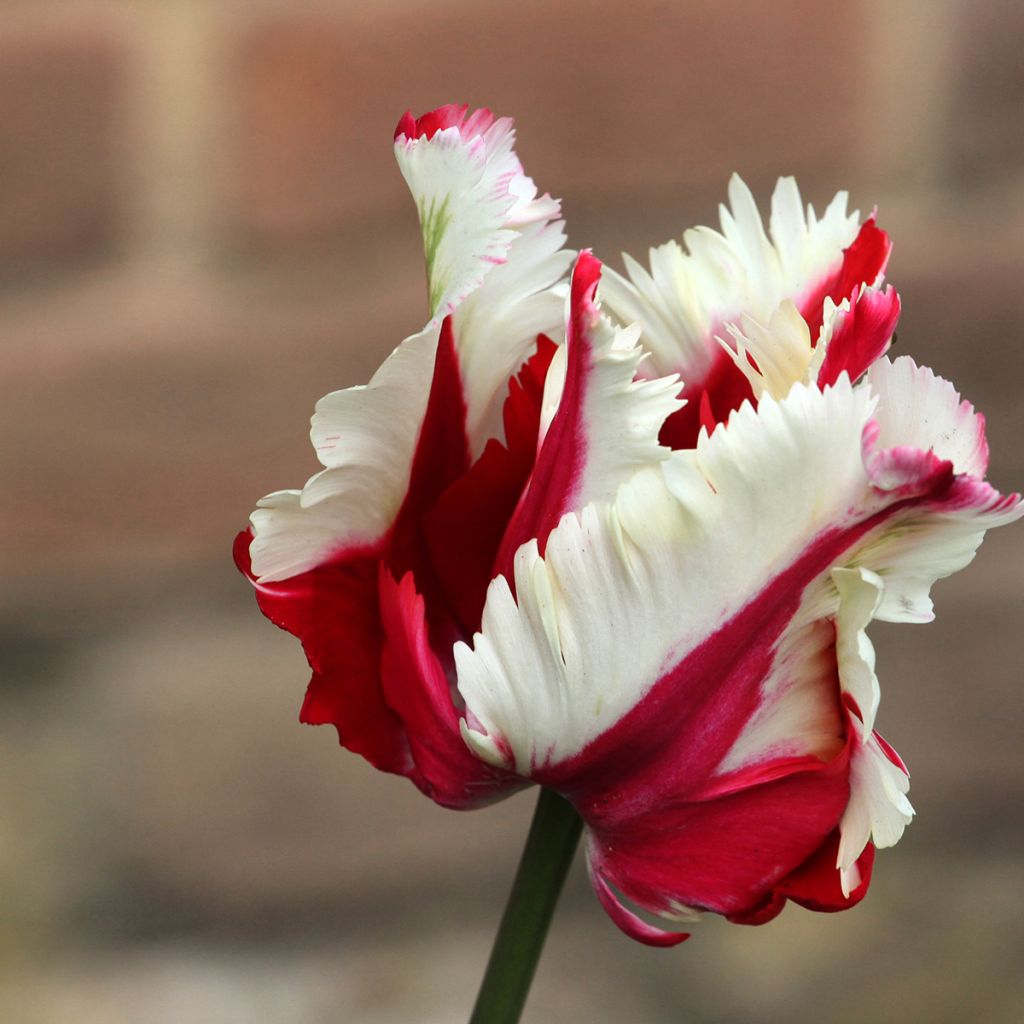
[(417, 687), (333, 610), (452, 115), (560, 460), (863, 261), (632, 924), (728, 854), (708, 403), (465, 526), (442, 456), (861, 336), (815, 884)]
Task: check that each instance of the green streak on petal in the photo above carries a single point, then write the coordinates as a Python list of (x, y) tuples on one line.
[(434, 220)]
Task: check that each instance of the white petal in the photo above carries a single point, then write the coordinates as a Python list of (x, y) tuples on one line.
[(860, 594), (782, 350), (688, 297), (920, 409), (496, 326), (366, 437), (878, 810)]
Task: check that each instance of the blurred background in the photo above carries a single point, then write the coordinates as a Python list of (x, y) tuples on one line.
[(201, 232)]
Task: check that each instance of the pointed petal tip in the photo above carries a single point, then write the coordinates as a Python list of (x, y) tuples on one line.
[(240, 552), (451, 115), (585, 275), (630, 923)]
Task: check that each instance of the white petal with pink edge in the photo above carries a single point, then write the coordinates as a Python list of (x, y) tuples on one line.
[(688, 295), (494, 253), (466, 181), (919, 409), (919, 412)]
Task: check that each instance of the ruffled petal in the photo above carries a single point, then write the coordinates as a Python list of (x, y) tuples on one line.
[(676, 640), (493, 248), (602, 423), (770, 290), (333, 610), (922, 431), (320, 569), (688, 296), (416, 686), (366, 438)]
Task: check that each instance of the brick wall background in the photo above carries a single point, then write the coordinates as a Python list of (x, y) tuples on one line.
[(202, 231)]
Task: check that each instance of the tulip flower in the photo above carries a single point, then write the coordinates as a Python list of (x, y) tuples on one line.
[(622, 536)]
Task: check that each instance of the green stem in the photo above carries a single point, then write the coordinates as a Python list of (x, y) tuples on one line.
[(554, 835)]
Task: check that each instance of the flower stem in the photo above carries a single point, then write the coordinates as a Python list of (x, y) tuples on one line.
[(554, 835)]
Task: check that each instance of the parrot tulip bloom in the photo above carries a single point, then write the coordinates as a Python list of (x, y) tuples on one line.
[(622, 536)]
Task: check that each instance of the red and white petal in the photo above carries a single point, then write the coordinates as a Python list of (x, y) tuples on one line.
[(626, 591), (493, 248), (466, 180), (688, 297), (863, 265), (654, 629), (855, 334), (599, 423), (366, 438), (923, 432)]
